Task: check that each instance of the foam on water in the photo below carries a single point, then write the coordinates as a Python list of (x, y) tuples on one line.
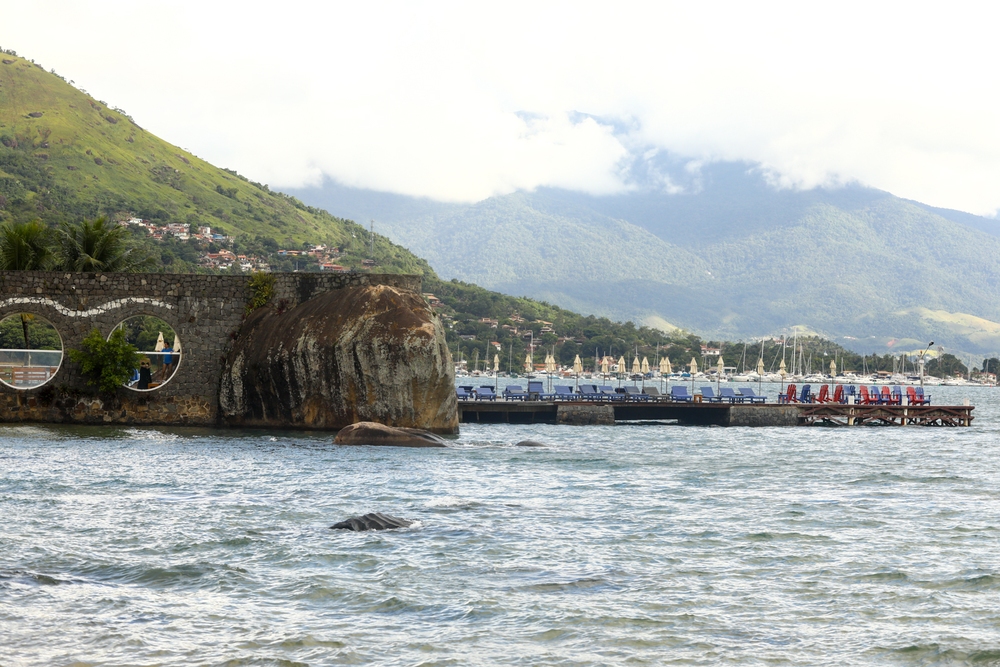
[(639, 544)]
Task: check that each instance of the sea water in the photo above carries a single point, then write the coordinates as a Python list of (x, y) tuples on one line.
[(642, 544)]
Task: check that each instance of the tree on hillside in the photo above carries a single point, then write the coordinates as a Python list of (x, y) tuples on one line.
[(946, 365), (97, 245), (25, 246)]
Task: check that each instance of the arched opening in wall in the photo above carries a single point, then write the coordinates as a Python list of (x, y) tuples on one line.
[(159, 351), (31, 351)]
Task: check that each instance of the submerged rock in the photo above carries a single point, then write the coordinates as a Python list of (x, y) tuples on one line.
[(529, 443), (374, 353), (372, 521), (370, 433)]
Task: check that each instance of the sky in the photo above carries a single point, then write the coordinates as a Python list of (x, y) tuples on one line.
[(462, 101)]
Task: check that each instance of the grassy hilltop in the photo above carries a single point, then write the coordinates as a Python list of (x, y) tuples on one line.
[(65, 155)]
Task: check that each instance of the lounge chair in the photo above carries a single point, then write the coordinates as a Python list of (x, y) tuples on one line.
[(652, 394), (708, 395), (536, 391), (464, 394), (515, 393), (885, 398), (924, 399), (589, 392), (788, 396), (727, 394), (680, 393), (897, 395), (866, 397), (633, 394), (824, 395), (838, 394), (486, 393), (564, 393), (748, 395), (849, 391), (608, 393), (806, 395)]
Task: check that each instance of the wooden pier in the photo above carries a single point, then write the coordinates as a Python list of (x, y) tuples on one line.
[(718, 414)]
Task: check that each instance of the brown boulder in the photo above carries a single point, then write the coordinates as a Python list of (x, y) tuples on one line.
[(374, 353), (370, 433)]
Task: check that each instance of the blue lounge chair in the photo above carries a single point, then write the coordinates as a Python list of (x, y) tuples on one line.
[(708, 395), (748, 395), (897, 395), (806, 396), (925, 399), (849, 390), (515, 393), (536, 391), (589, 392), (564, 393), (486, 393), (680, 393), (727, 394), (464, 394)]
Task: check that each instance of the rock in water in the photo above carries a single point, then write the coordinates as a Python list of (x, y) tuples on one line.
[(370, 433), (529, 443), (374, 353), (373, 521)]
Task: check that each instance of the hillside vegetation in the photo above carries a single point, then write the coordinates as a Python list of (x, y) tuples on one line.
[(66, 156), (731, 257)]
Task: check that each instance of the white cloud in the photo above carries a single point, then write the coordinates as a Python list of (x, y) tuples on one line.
[(462, 100)]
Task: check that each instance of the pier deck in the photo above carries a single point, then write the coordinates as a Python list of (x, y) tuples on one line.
[(720, 414)]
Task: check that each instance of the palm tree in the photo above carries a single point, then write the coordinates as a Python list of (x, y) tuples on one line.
[(98, 245), (25, 246)]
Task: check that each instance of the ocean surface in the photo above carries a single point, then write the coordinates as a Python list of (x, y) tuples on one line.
[(640, 544)]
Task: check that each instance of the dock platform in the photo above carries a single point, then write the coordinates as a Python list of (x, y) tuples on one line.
[(719, 414)]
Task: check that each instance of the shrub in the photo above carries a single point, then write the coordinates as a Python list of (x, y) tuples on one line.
[(109, 364)]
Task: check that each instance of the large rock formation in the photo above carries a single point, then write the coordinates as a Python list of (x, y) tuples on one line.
[(373, 353), (372, 521)]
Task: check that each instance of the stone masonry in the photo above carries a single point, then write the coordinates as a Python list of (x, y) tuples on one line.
[(206, 312)]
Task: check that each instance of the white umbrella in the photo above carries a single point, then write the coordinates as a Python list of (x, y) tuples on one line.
[(527, 363), (496, 363), (636, 368), (833, 368), (665, 366), (621, 365), (760, 367), (550, 364), (719, 370), (177, 343), (159, 343), (605, 367), (693, 366), (577, 365), (645, 365)]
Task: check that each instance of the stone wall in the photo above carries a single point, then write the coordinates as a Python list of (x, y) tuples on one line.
[(206, 312)]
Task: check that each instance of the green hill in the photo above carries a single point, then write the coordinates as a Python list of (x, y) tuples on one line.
[(65, 155), (731, 257)]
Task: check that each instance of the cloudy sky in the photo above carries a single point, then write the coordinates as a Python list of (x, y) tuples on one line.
[(459, 101)]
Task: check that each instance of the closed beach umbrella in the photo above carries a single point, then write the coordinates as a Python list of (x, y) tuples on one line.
[(621, 365), (177, 343), (496, 363), (665, 366), (720, 367), (550, 364), (693, 366), (577, 365), (635, 366), (645, 365), (760, 367), (782, 369), (833, 368), (159, 343), (527, 363), (604, 365)]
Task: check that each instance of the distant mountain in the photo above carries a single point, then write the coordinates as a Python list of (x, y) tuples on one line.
[(65, 155), (731, 256)]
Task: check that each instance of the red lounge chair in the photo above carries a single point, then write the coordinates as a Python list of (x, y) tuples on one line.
[(866, 397), (915, 399), (824, 395), (886, 398), (838, 394), (788, 396)]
